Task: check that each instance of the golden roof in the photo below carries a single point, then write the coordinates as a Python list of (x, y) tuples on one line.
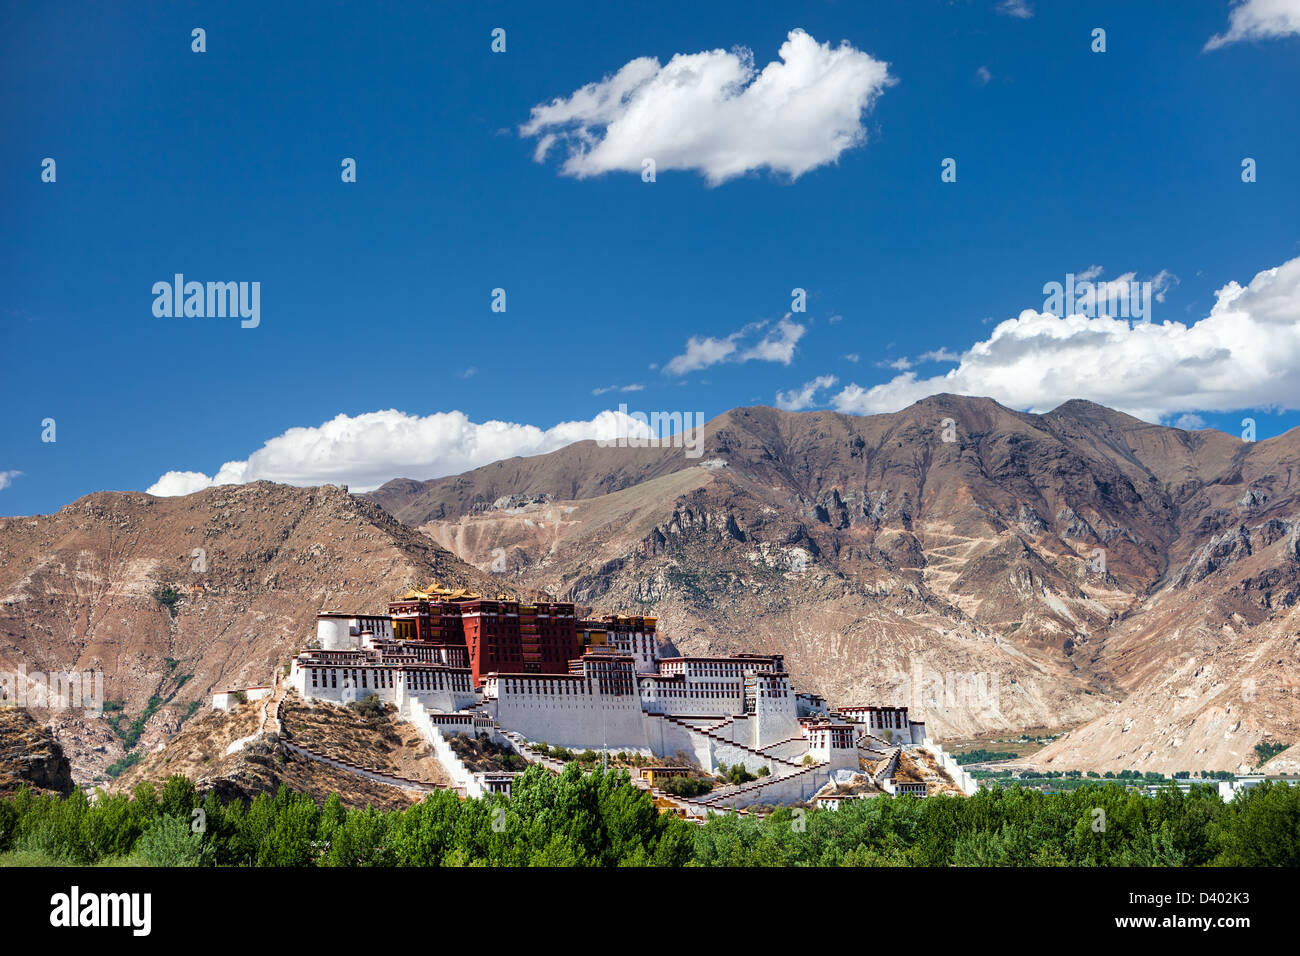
[(434, 591)]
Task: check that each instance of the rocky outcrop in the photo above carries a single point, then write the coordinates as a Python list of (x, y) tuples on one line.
[(29, 755)]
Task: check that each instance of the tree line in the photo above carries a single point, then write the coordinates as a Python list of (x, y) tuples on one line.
[(597, 818)]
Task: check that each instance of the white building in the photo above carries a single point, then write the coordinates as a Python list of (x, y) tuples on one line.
[(620, 695), (811, 705), (1228, 789), (890, 724), (833, 743), (229, 699), (394, 677), (337, 632)]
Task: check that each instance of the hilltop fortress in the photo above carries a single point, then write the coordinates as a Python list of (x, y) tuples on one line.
[(452, 661)]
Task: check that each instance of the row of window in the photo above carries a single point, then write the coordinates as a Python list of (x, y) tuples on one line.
[(839, 739), (653, 689), (368, 678), (712, 669)]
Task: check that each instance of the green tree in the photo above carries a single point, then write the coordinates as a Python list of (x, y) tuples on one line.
[(289, 839), (172, 842)]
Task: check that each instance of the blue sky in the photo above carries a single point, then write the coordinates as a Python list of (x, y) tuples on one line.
[(376, 295)]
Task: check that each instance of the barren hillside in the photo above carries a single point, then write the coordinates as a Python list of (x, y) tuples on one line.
[(1076, 556), (173, 598), (202, 752)]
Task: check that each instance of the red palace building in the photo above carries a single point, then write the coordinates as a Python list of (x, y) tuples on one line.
[(503, 636)]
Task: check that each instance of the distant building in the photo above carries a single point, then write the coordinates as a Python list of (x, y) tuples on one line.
[(1243, 782), (810, 705), (658, 776), (229, 699), (833, 801), (501, 783), (909, 788), (888, 723)]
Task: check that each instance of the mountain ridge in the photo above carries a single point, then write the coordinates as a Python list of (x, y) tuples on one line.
[(1047, 534), (1077, 560)]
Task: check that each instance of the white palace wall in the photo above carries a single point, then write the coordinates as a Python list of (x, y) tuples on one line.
[(666, 738), (339, 632), (686, 698), (792, 788), (571, 712), (444, 689), (774, 721), (459, 773), (791, 750), (960, 775)]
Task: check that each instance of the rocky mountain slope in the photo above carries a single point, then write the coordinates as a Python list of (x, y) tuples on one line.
[(173, 598), (1133, 581), (30, 756), (203, 751)]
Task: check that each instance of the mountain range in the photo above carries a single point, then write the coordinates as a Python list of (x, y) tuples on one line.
[(1129, 586)]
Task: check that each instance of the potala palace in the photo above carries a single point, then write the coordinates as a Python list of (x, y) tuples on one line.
[(453, 662)]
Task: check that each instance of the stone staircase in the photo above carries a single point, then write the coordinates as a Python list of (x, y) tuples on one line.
[(762, 759), (728, 795), (781, 743), (887, 769), (520, 746), (378, 776)]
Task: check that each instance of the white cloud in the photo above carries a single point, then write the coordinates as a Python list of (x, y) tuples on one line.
[(898, 364), (7, 478), (701, 353), (1244, 354), (617, 388), (1189, 422), (777, 345), (853, 357), (940, 354), (1259, 20), (982, 76), (797, 400), (1124, 286), (716, 113), (182, 483), (1019, 9), (1162, 282), (366, 450)]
